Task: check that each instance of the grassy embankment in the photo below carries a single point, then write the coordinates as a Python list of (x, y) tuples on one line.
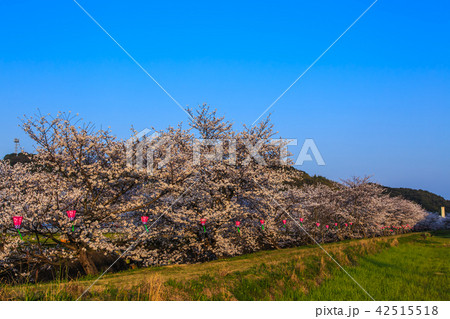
[(403, 267)]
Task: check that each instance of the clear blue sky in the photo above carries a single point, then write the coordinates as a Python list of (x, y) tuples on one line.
[(378, 103)]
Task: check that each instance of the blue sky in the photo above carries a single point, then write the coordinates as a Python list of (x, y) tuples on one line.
[(378, 103)]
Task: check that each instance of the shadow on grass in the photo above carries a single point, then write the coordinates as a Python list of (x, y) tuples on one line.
[(441, 233)]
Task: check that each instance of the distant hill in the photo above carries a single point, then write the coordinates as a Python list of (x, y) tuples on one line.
[(300, 178), (429, 201), (14, 158)]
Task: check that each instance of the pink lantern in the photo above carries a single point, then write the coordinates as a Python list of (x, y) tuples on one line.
[(327, 226), (284, 223), (261, 221), (336, 225), (144, 220), (346, 224), (71, 214), (318, 224), (238, 223), (17, 220), (203, 222)]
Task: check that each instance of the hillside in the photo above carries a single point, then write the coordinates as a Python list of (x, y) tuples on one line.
[(402, 267), (14, 158), (429, 201)]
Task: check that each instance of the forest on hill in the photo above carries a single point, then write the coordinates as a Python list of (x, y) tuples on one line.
[(429, 201)]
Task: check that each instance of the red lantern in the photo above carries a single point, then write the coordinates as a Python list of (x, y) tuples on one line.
[(261, 221), (144, 220), (71, 214), (318, 224), (301, 221), (284, 223), (346, 224), (327, 226), (17, 220), (203, 222), (238, 223)]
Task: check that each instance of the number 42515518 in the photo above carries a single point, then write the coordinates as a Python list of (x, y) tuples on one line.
[(407, 310)]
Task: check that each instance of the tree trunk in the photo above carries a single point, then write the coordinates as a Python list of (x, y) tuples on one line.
[(87, 263)]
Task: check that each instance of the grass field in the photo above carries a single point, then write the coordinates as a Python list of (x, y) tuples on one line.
[(414, 270), (403, 267)]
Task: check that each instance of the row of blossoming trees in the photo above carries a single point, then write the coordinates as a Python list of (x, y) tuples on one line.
[(183, 181)]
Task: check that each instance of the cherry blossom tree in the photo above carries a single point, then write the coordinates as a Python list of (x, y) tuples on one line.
[(78, 168), (210, 171)]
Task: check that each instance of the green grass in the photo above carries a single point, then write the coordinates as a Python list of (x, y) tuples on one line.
[(415, 270), (403, 267)]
